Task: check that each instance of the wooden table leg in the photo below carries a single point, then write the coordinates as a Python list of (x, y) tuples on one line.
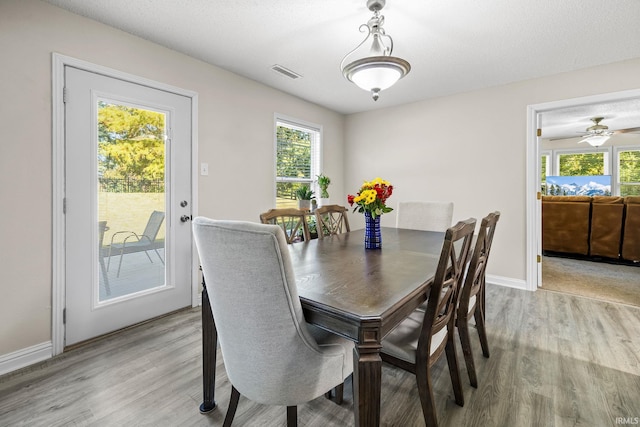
[(209, 344), (367, 380)]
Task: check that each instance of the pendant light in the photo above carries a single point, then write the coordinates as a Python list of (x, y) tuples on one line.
[(378, 70)]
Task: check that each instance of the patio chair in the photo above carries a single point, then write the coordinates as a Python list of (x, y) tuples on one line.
[(102, 227), (134, 242)]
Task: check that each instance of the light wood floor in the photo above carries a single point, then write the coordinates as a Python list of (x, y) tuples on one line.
[(556, 360)]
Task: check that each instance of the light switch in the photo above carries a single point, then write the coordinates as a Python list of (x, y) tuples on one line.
[(204, 168)]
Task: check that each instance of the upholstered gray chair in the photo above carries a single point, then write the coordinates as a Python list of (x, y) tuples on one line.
[(426, 216), (472, 295), (271, 355), (421, 339)]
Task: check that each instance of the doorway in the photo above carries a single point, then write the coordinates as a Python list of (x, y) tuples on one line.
[(127, 191), (534, 160)]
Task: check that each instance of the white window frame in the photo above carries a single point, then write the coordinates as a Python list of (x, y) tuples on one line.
[(616, 164), (316, 151), (608, 167)]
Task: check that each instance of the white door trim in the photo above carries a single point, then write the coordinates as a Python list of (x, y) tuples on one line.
[(58, 140), (534, 219)]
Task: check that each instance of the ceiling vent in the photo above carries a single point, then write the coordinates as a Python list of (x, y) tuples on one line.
[(285, 72)]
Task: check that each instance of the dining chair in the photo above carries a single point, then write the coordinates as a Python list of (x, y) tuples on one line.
[(134, 242), (331, 219), (420, 340), (426, 216), (292, 221), (271, 354), (472, 296)]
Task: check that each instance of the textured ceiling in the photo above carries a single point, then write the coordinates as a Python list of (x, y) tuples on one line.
[(453, 45)]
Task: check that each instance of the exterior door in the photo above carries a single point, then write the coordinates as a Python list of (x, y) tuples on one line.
[(127, 203)]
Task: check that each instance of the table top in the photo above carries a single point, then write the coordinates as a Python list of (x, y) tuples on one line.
[(338, 275)]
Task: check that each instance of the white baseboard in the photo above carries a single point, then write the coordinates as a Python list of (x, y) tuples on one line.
[(507, 282), (27, 356)]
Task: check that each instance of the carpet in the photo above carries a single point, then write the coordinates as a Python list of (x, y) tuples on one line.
[(598, 280)]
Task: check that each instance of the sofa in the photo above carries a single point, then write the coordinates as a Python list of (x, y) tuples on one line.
[(631, 240), (565, 224), (598, 226)]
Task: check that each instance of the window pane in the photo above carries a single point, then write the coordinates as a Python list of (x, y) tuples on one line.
[(297, 160), (629, 172), (580, 164), (293, 153)]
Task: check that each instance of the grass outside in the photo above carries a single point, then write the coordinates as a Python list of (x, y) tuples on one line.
[(129, 212)]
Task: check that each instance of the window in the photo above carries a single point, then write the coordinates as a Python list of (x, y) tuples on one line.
[(583, 163), (297, 159), (545, 169), (628, 162)]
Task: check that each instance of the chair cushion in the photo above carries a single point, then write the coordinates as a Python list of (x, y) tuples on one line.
[(402, 341)]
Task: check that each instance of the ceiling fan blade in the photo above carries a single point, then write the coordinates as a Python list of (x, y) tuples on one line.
[(629, 130), (567, 137)]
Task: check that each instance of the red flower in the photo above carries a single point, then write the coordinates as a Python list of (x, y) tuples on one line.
[(350, 199)]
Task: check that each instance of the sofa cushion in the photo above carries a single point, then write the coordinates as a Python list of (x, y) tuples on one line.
[(606, 226), (565, 224), (631, 232)]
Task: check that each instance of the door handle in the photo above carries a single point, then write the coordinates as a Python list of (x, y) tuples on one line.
[(185, 218)]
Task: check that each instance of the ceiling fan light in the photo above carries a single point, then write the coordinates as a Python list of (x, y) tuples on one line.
[(596, 140)]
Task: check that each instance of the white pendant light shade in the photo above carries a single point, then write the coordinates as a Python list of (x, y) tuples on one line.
[(380, 70)]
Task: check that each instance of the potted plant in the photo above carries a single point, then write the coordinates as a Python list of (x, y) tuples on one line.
[(323, 183), (304, 195)]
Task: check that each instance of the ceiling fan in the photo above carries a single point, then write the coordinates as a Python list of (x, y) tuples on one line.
[(597, 134)]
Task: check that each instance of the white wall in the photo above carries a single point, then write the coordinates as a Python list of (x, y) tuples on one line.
[(236, 119), (469, 148)]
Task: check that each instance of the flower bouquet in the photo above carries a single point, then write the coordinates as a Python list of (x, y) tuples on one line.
[(371, 200)]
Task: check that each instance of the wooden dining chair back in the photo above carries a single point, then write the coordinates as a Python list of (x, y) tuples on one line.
[(331, 219), (421, 339), (424, 215), (292, 221), (271, 354), (472, 295)]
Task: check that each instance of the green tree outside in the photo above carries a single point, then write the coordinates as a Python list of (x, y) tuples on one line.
[(130, 143)]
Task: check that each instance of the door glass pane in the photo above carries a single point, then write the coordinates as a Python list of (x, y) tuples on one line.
[(131, 199)]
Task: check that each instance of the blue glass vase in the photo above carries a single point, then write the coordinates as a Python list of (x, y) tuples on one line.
[(372, 234)]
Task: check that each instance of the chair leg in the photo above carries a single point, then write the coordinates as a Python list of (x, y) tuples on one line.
[(482, 333), (292, 416), (452, 361), (338, 391), (233, 405), (465, 342), (425, 391), (158, 253), (103, 269)]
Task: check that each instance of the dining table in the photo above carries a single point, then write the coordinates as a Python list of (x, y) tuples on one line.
[(360, 294)]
